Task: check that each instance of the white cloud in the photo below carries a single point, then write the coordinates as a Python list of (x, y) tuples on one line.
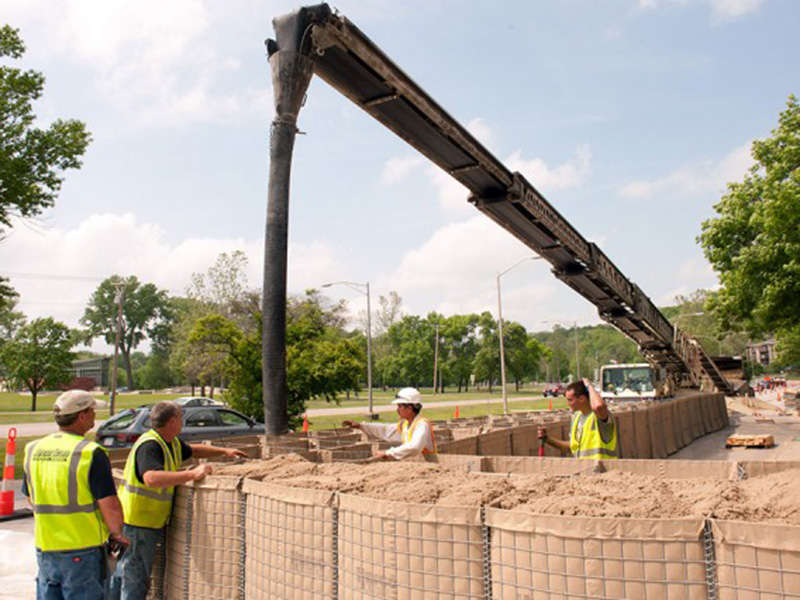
[(454, 272), (721, 10), (108, 244), (569, 174), (154, 61), (694, 179), (692, 274), (398, 168)]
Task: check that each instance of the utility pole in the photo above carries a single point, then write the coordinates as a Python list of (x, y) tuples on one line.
[(436, 360), (119, 286), (577, 352)]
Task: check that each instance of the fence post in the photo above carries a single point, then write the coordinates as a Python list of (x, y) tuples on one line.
[(243, 547), (487, 556), (709, 556), (188, 549)]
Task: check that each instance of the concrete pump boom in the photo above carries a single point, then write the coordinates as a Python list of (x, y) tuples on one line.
[(314, 40)]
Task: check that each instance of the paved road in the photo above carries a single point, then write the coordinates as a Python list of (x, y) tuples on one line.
[(41, 429)]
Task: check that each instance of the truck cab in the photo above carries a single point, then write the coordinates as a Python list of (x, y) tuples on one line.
[(627, 382)]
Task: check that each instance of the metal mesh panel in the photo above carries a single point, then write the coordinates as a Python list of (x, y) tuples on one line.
[(565, 561), (289, 543), (757, 561), (398, 551)]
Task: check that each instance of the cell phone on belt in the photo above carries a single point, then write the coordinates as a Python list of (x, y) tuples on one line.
[(115, 549)]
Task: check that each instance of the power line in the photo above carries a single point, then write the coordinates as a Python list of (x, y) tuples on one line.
[(50, 276)]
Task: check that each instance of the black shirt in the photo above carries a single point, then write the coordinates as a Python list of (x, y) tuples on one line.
[(101, 481), (150, 457)]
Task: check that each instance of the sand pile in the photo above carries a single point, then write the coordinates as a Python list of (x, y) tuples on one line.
[(773, 498)]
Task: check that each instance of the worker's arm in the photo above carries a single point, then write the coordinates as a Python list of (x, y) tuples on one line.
[(387, 432), (111, 509), (554, 442), (596, 401), (204, 451), (170, 478)]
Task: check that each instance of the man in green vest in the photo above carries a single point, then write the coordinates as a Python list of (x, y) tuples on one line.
[(69, 484), (593, 433), (146, 492)]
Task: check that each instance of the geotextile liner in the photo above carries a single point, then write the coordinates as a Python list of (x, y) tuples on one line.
[(426, 530)]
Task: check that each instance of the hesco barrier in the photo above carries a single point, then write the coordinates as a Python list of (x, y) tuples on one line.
[(232, 538)]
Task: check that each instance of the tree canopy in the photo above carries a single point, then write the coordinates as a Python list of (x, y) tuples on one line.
[(39, 356), (146, 313), (754, 241), (32, 159)]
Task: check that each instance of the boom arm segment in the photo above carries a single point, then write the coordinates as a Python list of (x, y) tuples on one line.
[(351, 63)]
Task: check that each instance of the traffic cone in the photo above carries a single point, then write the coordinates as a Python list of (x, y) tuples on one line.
[(550, 404), (305, 422), (456, 416), (7, 494)]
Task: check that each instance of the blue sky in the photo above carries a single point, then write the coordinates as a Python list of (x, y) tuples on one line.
[(630, 116)]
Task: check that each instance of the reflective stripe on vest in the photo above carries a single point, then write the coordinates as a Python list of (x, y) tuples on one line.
[(407, 432), (66, 514), (142, 505), (591, 444)]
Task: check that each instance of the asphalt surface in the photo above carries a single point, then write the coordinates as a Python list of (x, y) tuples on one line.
[(42, 429)]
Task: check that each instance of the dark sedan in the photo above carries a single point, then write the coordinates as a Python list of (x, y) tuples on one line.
[(199, 423)]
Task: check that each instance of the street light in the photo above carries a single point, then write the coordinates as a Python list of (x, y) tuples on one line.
[(500, 329), (361, 287)]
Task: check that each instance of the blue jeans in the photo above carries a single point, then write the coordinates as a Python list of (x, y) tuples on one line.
[(131, 580), (73, 574)]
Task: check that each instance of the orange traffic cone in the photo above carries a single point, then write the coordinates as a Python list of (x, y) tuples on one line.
[(456, 415), (7, 494), (305, 422), (550, 404)]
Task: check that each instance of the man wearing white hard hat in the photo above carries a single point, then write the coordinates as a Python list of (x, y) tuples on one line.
[(413, 432), (69, 484)]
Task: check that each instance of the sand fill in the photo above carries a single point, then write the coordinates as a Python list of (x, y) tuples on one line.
[(773, 498)]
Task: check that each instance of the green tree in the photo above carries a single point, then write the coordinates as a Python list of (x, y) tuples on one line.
[(321, 362), (487, 358), (146, 313), (39, 356), (754, 241), (459, 336), (10, 318), (410, 359), (31, 159)]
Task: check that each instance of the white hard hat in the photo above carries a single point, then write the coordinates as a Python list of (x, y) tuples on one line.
[(75, 401), (408, 395)]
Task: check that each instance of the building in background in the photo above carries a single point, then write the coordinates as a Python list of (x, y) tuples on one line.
[(762, 353)]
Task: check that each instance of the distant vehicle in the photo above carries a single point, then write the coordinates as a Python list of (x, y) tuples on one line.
[(199, 423), (197, 401), (554, 390), (627, 381)]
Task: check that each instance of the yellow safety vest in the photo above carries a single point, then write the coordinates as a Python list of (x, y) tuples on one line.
[(407, 431), (66, 514), (142, 505), (590, 444)]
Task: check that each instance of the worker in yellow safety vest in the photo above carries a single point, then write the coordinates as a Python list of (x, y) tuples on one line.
[(413, 433), (593, 433), (69, 485), (146, 492)]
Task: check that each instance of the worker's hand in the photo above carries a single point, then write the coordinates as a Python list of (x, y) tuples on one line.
[(200, 471), (379, 457), (586, 382), (351, 424), (234, 453), (542, 434), (120, 538)]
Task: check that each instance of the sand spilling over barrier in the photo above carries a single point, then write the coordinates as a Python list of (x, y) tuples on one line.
[(772, 498)]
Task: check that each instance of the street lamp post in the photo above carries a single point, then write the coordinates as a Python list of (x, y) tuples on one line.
[(361, 287), (500, 329)]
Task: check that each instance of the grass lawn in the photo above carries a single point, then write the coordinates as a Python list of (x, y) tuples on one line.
[(439, 414)]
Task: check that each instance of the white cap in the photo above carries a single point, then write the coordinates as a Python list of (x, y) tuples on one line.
[(75, 401), (408, 395)]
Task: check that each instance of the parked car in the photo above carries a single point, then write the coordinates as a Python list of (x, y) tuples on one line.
[(554, 390), (199, 423), (197, 401)]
